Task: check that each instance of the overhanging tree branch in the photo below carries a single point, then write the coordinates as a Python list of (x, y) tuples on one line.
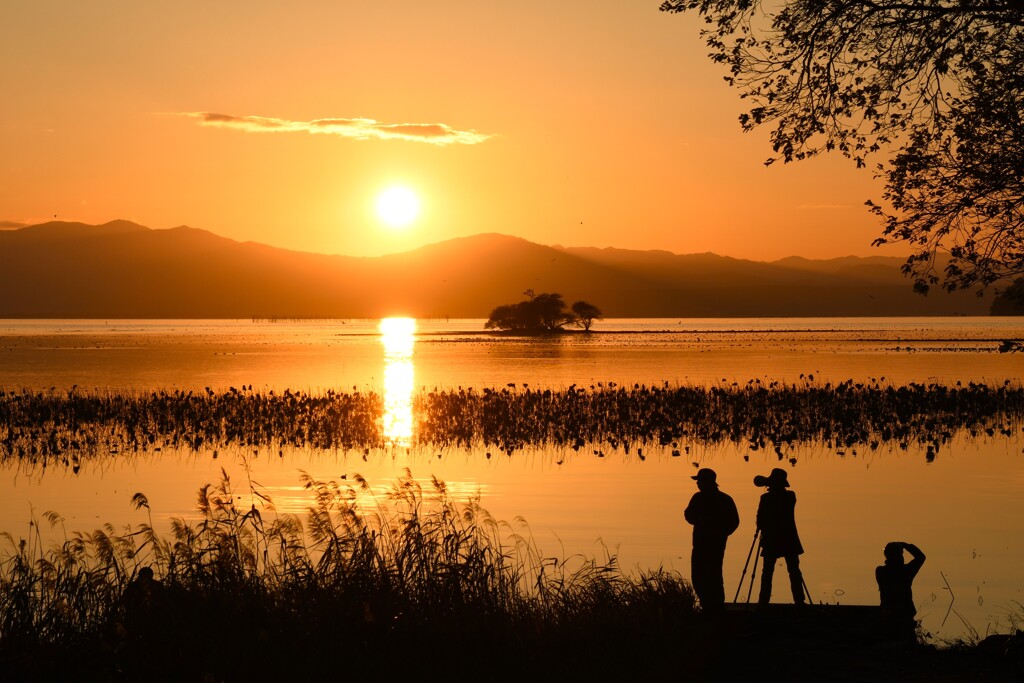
[(935, 86)]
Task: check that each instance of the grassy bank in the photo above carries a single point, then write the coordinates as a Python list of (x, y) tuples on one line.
[(365, 586), (407, 584)]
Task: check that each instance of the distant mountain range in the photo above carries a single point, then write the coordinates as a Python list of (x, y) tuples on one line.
[(124, 270)]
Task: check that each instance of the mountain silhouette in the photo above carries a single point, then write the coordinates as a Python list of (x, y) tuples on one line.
[(125, 270)]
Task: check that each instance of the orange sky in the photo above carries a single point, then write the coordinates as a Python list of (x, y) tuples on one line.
[(597, 123)]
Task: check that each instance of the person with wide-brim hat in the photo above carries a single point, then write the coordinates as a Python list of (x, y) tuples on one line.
[(777, 477), (776, 519), (714, 517)]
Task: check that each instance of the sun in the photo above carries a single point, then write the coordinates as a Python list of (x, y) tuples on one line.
[(398, 206)]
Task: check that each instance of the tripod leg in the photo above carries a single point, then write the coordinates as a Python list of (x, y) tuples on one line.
[(745, 565), (753, 573)]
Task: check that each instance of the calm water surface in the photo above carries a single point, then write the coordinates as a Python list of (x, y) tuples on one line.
[(963, 509)]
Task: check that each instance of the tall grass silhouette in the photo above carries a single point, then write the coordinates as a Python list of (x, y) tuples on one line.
[(247, 592)]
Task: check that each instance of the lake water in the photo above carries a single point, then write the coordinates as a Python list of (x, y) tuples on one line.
[(963, 508)]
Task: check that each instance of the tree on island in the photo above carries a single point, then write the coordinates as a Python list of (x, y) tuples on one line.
[(585, 314), (937, 84), (542, 312)]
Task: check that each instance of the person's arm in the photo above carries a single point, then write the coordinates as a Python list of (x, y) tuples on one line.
[(916, 554), (733, 522), (884, 581), (690, 513)]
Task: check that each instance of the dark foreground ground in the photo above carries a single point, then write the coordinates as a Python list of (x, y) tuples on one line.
[(845, 643), (780, 644)]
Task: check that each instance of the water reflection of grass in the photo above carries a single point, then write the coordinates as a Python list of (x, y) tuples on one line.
[(62, 427)]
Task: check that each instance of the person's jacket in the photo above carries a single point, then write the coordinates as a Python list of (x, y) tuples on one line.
[(894, 588), (713, 516), (776, 518)]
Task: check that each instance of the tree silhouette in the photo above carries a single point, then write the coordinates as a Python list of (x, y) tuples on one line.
[(935, 84), (584, 314), (506, 317), (544, 312)]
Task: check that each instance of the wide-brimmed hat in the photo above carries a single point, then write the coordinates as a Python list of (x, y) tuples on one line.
[(776, 478), (706, 475)]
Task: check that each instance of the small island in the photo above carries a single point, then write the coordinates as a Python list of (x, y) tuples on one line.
[(543, 313)]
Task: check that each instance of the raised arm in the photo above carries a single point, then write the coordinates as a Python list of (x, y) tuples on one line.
[(916, 554)]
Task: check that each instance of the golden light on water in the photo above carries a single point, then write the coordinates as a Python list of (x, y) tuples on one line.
[(398, 335)]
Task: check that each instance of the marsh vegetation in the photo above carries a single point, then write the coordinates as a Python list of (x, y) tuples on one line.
[(60, 428), (366, 584), (246, 592), (403, 584)]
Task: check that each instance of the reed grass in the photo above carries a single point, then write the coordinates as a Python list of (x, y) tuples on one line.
[(404, 580)]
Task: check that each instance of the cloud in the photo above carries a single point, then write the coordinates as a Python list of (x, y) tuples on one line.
[(358, 129)]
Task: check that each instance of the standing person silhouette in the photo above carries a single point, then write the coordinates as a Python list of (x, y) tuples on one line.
[(895, 579), (776, 519), (714, 517)]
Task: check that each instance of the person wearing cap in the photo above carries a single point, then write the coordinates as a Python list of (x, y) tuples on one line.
[(776, 520), (895, 578), (714, 517)]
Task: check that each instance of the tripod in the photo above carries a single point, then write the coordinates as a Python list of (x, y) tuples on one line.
[(753, 573)]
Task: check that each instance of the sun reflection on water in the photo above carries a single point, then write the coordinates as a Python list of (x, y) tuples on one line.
[(398, 335)]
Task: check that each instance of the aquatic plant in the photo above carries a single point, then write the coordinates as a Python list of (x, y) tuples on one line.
[(62, 428), (244, 591)]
